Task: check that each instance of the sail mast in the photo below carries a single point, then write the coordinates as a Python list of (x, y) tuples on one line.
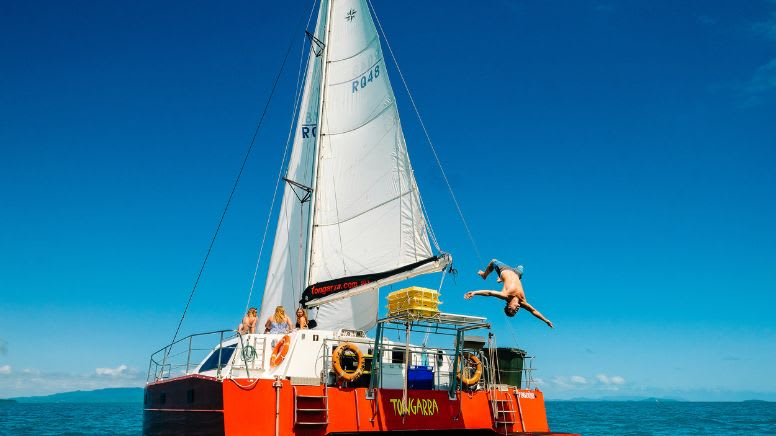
[(317, 154)]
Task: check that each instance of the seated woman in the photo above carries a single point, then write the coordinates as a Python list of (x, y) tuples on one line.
[(302, 322), (279, 323), (248, 324), (301, 319)]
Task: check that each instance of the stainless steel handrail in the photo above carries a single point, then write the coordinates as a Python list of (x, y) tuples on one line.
[(160, 370)]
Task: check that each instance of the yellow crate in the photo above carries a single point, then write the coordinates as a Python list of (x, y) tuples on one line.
[(415, 313), (413, 291), (415, 301)]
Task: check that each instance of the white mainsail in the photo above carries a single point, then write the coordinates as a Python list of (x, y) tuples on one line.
[(368, 227)]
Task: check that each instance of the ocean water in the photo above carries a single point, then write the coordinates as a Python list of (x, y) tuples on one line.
[(71, 419), (664, 418), (587, 418)]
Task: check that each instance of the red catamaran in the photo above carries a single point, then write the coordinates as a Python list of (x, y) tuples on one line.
[(351, 221)]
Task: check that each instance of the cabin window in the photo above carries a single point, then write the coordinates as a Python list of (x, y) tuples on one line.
[(212, 361), (397, 356)]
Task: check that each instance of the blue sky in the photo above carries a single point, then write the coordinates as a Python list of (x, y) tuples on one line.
[(623, 151)]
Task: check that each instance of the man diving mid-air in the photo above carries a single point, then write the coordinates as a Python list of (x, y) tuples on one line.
[(512, 292)]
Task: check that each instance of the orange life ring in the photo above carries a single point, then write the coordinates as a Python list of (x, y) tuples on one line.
[(336, 360), (280, 351), (472, 361)]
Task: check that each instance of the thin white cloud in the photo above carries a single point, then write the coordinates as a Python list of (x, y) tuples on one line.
[(763, 81), (617, 380), (607, 380), (112, 372), (561, 382), (568, 383), (5, 370), (762, 84), (767, 28), (578, 379), (597, 386)]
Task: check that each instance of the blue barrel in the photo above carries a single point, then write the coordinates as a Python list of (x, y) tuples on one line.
[(420, 377)]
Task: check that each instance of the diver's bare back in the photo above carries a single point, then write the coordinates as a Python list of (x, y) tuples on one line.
[(512, 285)]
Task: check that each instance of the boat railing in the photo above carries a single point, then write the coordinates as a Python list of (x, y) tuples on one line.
[(394, 361), (184, 355), (506, 376), (528, 377)]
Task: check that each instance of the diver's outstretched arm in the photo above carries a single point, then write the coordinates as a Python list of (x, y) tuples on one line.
[(484, 293), (535, 312)]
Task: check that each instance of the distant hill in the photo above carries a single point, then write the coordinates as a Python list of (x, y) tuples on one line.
[(109, 395), (660, 400), (626, 398)]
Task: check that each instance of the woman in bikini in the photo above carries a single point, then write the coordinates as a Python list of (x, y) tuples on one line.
[(248, 324)]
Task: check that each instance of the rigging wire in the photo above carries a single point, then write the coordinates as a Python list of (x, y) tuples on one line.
[(511, 331), (428, 137), (441, 283), (428, 222), (234, 189), (297, 100)]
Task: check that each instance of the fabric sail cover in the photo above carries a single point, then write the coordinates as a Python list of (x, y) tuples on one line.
[(368, 221)]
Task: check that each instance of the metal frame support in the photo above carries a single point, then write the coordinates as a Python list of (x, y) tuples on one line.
[(277, 384), (377, 358), (326, 363), (308, 191), (316, 44), (220, 352), (188, 357), (455, 382), (148, 374), (164, 363)]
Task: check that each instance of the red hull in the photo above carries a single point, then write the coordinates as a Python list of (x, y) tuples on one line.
[(203, 405)]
